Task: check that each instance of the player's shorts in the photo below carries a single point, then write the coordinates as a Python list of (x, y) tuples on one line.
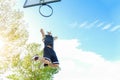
[(49, 54)]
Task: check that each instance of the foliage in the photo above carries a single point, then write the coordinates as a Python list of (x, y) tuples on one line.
[(16, 54), (32, 70)]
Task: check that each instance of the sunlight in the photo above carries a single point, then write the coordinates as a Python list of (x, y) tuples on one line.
[(1, 44)]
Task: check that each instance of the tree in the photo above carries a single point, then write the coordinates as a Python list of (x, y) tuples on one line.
[(16, 54)]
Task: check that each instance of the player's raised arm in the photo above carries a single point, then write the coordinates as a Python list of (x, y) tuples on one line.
[(42, 32)]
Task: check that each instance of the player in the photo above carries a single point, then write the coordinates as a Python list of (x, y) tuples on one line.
[(49, 55)]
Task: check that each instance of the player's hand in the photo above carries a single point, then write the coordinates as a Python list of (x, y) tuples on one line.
[(41, 30), (55, 37)]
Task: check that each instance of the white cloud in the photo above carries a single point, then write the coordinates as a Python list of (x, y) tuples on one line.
[(93, 24), (74, 24), (106, 27), (84, 24), (115, 28), (77, 64), (96, 24), (100, 24)]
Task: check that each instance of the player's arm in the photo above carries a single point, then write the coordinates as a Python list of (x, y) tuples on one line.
[(55, 37), (42, 32)]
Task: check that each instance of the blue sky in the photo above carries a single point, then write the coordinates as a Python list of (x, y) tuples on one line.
[(95, 23), (88, 37)]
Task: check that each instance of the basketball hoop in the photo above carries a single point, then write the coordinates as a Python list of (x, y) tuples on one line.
[(43, 14), (42, 3)]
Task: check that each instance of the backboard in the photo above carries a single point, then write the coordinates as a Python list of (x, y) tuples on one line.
[(30, 3)]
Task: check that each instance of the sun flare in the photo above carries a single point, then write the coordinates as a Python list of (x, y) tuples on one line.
[(1, 44)]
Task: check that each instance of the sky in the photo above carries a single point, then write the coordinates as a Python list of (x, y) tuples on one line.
[(88, 45)]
